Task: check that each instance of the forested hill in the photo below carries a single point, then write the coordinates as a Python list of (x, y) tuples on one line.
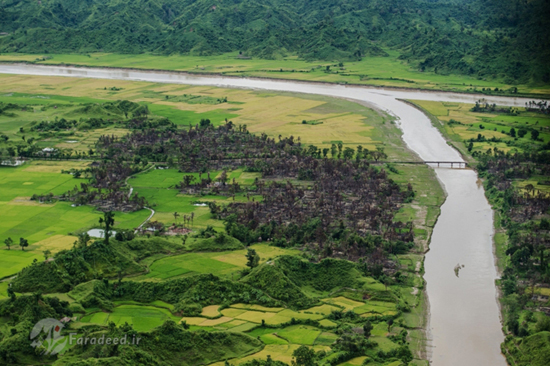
[(506, 39)]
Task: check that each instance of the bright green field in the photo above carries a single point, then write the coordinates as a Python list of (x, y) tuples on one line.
[(379, 71), (326, 339), (157, 186), (142, 318), (294, 334), (38, 222), (3, 290)]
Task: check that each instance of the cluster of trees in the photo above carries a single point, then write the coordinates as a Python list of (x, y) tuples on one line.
[(5, 109), (346, 211), (106, 188), (20, 314), (541, 106), (23, 243), (63, 124), (500, 168), (483, 106), (197, 149), (344, 207)]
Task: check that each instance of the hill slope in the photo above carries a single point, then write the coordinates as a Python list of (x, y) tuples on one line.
[(506, 39)]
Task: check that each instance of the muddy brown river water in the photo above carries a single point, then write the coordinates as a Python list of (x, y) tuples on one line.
[(464, 325)]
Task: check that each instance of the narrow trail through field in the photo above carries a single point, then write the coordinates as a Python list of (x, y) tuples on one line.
[(130, 195), (147, 220)]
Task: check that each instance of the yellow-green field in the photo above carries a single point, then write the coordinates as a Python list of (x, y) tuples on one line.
[(274, 114), (239, 314)]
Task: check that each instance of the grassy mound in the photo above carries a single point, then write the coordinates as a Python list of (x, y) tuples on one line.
[(323, 276), (169, 344), (201, 289), (273, 282), (72, 267), (533, 350), (216, 244)]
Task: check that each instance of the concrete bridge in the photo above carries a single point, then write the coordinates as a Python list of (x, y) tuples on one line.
[(453, 164)]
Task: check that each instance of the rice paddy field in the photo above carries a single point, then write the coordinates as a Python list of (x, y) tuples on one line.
[(272, 325), (377, 71), (45, 226), (281, 338), (337, 120)]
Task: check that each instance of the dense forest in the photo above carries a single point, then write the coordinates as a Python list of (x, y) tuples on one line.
[(503, 39)]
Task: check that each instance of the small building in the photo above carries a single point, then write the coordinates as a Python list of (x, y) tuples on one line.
[(47, 151)]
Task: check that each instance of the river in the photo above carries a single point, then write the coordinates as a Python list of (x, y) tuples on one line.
[(464, 325)]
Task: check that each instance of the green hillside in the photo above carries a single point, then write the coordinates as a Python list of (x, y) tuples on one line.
[(501, 39)]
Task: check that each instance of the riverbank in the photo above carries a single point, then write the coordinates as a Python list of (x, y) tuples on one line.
[(521, 289), (383, 72)]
